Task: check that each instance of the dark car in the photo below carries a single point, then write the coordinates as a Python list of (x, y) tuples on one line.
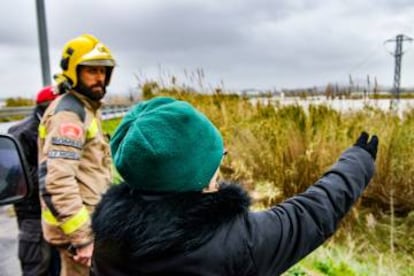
[(15, 184)]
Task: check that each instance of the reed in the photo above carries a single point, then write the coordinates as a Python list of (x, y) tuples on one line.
[(277, 151)]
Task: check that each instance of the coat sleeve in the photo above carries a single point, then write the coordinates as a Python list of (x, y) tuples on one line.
[(63, 146), (282, 235)]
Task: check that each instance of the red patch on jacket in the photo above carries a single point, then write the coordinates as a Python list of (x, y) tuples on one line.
[(71, 130)]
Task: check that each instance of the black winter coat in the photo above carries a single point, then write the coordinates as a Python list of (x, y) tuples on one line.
[(197, 233), (26, 132)]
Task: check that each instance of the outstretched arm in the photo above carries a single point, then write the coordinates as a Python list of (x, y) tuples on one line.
[(284, 234)]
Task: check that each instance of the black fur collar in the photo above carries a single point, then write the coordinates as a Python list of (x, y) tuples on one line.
[(149, 226)]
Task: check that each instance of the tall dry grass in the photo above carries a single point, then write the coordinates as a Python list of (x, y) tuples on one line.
[(288, 147), (277, 151)]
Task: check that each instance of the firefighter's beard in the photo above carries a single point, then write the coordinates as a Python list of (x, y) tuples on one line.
[(92, 92)]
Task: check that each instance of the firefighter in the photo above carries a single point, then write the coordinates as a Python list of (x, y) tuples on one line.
[(74, 155)]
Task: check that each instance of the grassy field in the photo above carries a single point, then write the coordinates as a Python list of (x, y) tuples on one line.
[(278, 151)]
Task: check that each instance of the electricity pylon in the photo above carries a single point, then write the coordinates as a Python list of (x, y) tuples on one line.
[(399, 39)]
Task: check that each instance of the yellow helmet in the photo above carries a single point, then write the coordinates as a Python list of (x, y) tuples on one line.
[(85, 50)]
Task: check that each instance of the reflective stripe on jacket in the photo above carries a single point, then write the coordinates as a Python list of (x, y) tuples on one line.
[(74, 168)]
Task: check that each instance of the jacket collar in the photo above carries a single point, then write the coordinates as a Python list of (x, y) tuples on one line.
[(149, 226), (89, 103)]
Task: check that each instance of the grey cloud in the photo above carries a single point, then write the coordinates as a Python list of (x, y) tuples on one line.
[(18, 24), (176, 26), (261, 43)]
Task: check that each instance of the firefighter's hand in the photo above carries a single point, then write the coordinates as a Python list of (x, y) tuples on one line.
[(370, 146), (84, 255)]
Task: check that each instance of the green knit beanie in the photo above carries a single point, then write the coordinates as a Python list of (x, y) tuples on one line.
[(166, 145)]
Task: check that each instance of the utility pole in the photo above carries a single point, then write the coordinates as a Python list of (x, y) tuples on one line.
[(43, 44), (399, 39), (351, 86)]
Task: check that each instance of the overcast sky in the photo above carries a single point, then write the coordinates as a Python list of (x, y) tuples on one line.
[(264, 44)]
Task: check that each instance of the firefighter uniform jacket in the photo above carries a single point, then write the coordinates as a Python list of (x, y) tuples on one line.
[(74, 168)]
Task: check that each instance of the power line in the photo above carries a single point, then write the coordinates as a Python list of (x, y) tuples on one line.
[(371, 55), (367, 59)]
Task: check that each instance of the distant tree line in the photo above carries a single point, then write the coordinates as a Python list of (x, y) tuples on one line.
[(19, 101)]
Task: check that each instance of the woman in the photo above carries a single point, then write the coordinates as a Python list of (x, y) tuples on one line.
[(170, 218)]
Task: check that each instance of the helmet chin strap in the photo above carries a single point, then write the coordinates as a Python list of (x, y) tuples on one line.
[(83, 89)]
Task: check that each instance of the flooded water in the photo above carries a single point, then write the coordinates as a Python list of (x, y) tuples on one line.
[(342, 105)]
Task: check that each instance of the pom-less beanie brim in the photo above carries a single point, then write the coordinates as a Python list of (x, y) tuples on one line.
[(166, 145)]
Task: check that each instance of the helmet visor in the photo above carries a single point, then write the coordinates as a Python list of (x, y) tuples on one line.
[(98, 62), (99, 56)]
